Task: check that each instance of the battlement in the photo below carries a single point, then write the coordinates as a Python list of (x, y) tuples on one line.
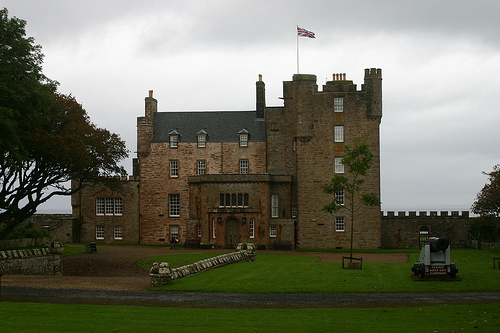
[(425, 214), (373, 73)]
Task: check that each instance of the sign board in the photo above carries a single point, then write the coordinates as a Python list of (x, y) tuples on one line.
[(438, 270)]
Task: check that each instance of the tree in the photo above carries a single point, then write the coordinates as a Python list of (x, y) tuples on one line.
[(357, 161), (487, 203), (47, 138), (487, 206)]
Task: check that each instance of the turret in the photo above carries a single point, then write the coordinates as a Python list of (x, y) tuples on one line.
[(373, 89), (145, 126), (151, 105)]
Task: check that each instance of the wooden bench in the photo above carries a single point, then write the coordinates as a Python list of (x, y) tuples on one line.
[(91, 247), (494, 260)]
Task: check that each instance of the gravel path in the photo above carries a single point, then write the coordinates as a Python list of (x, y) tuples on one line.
[(112, 277)]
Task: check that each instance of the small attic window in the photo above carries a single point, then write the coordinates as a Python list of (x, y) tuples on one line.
[(174, 139), (243, 134), (202, 139)]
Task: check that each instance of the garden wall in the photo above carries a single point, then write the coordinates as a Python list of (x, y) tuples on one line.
[(43, 261)]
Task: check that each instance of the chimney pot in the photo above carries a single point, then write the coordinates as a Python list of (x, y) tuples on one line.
[(151, 93)]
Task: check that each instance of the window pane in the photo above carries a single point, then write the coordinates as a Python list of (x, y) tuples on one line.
[(174, 232), (272, 231), (338, 104), (245, 200), (201, 141), (110, 206), (174, 139), (118, 206), (240, 200), (339, 224), (221, 200), (174, 209), (339, 197), (99, 232), (174, 168), (252, 227), (274, 205), (233, 200), (243, 166), (99, 206), (118, 232), (202, 167), (339, 133), (243, 140), (213, 228), (339, 167), (228, 200)]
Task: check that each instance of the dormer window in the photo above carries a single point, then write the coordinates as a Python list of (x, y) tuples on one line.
[(202, 139), (243, 134), (174, 139)]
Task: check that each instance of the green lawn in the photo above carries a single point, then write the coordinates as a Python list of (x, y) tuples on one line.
[(30, 317), (296, 274)]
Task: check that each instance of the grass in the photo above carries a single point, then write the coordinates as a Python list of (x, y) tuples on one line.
[(298, 274), (70, 250), (31, 317)]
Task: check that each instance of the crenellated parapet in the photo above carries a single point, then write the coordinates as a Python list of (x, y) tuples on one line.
[(425, 214)]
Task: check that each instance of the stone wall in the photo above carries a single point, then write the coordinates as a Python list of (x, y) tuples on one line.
[(402, 229), (59, 226), (43, 261), (162, 274)]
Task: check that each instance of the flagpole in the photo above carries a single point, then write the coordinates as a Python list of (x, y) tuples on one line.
[(297, 33)]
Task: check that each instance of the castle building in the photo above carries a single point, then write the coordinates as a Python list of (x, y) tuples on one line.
[(220, 178)]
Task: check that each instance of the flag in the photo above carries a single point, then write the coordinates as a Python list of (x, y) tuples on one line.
[(305, 33)]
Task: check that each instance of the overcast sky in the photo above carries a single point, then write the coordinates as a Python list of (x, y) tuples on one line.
[(440, 64)]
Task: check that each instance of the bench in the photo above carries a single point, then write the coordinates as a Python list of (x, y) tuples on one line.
[(91, 247), (494, 260)]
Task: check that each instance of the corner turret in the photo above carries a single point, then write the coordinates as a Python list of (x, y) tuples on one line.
[(373, 89)]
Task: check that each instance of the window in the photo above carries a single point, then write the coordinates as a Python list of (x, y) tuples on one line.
[(174, 141), (240, 200), (339, 197), (213, 227), (274, 126), (221, 200), (274, 205), (339, 224), (202, 140), (174, 205), (338, 104), (273, 231), (174, 168), (244, 166), (99, 206), (118, 232), (243, 139), (233, 200), (202, 167), (339, 167), (294, 211), (99, 232), (198, 227), (174, 232), (339, 133), (252, 227), (109, 206), (245, 200)]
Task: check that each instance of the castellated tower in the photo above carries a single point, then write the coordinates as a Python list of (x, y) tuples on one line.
[(313, 128)]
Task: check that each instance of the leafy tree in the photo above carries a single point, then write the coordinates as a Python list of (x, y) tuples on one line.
[(487, 206), (357, 161), (46, 138), (488, 200)]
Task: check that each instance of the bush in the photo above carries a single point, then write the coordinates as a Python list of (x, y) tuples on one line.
[(27, 232), (487, 229)]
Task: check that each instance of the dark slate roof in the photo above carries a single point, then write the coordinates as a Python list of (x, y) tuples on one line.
[(221, 126)]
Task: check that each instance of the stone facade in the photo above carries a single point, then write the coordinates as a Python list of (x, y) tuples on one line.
[(116, 220), (43, 261), (406, 230), (288, 154)]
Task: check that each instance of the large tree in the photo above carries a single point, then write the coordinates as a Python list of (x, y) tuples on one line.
[(487, 203), (46, 138), (347, 189)]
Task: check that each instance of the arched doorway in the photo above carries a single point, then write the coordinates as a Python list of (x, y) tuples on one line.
[(423, 235), (232, 232)]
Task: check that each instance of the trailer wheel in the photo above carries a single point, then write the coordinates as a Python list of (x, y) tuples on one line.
[(453, 270)]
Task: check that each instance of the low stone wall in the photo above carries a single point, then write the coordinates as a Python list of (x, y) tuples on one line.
[(162, 274), (44, 261)]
